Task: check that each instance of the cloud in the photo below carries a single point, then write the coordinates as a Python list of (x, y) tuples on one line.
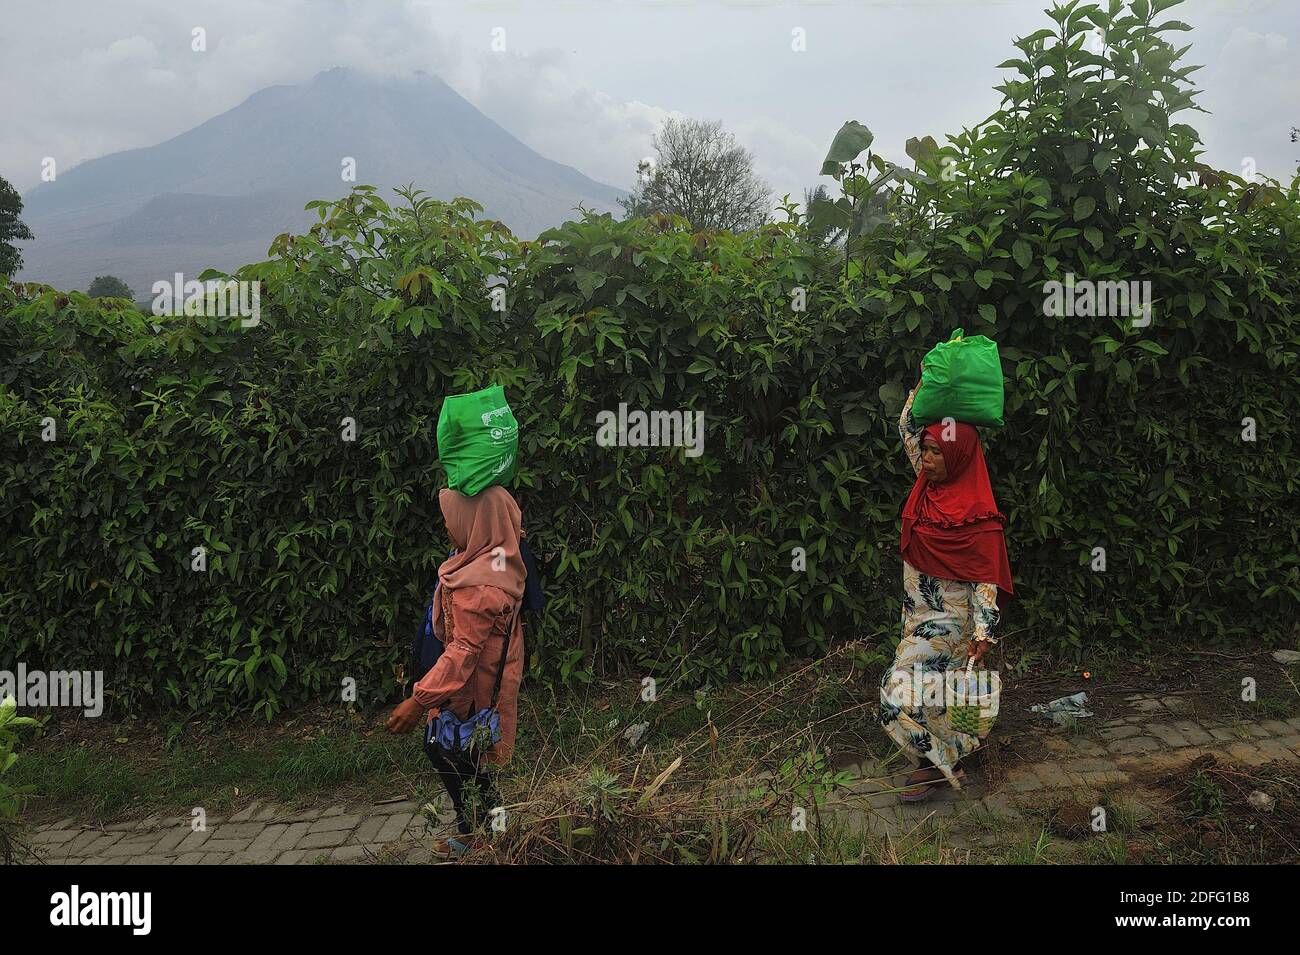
[(787, 160), (124, 88), (588, 85), (533, 97), (129, 51), (1253, 95)]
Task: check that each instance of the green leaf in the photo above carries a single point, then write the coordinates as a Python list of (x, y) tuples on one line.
[(1083, 207), (891, 394), (922, 150), (1022, 253), (1014, 64), (588, 280), (1037, 35), (1135, 114), (856, 421), (848, 144), (983, 278)]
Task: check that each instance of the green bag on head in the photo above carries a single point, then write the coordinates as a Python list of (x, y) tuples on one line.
[(478, 440), (961, 379)]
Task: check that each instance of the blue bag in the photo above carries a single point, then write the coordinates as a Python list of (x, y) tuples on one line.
[(534, 596), (426, 647), (480, 731)]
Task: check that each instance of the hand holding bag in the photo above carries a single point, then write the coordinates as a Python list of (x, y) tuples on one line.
[(973, 701)]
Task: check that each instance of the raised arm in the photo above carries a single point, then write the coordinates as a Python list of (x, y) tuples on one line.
[(910, 432)]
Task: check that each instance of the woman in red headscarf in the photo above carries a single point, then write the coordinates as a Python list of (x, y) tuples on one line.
[(954, 564)]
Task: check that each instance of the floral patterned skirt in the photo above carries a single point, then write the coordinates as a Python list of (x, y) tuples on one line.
[(938, 620)]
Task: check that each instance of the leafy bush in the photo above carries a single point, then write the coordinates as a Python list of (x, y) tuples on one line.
[(1119, 436), (182, 432), (12, 798)]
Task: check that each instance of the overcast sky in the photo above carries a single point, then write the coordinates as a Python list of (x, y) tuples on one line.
[(587, 82)]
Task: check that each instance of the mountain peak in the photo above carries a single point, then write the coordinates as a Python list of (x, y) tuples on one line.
[(129, 214)]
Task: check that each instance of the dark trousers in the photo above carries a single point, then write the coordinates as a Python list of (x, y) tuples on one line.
[(472, 789)]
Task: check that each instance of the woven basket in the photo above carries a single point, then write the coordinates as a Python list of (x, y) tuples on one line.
[(976, 713)]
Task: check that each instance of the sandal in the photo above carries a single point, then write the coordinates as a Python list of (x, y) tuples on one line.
[(451, 848), (923, 791)]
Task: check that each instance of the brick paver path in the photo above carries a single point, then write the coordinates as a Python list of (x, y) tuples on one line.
[(1156, 736), (259, 833)]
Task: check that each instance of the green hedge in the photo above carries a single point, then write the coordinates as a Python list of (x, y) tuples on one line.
[(185, 431)]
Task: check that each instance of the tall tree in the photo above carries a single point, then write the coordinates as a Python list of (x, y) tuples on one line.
[(12, 229), (109, 286), (820, 226), (702, 174)]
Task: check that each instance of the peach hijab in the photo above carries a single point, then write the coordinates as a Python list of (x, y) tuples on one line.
[(485, 530)]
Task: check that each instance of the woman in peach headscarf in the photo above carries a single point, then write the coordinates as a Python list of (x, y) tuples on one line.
[(476, 616)]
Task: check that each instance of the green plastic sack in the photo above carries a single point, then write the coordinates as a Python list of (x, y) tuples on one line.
[(961, 379), (478, 440)]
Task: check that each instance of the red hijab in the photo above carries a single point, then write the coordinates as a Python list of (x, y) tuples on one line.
[(953, 528)]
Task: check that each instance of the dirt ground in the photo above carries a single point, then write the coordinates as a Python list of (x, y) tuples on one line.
[(122, 769)]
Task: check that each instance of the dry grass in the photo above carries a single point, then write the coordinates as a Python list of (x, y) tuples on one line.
[(743, 784)]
